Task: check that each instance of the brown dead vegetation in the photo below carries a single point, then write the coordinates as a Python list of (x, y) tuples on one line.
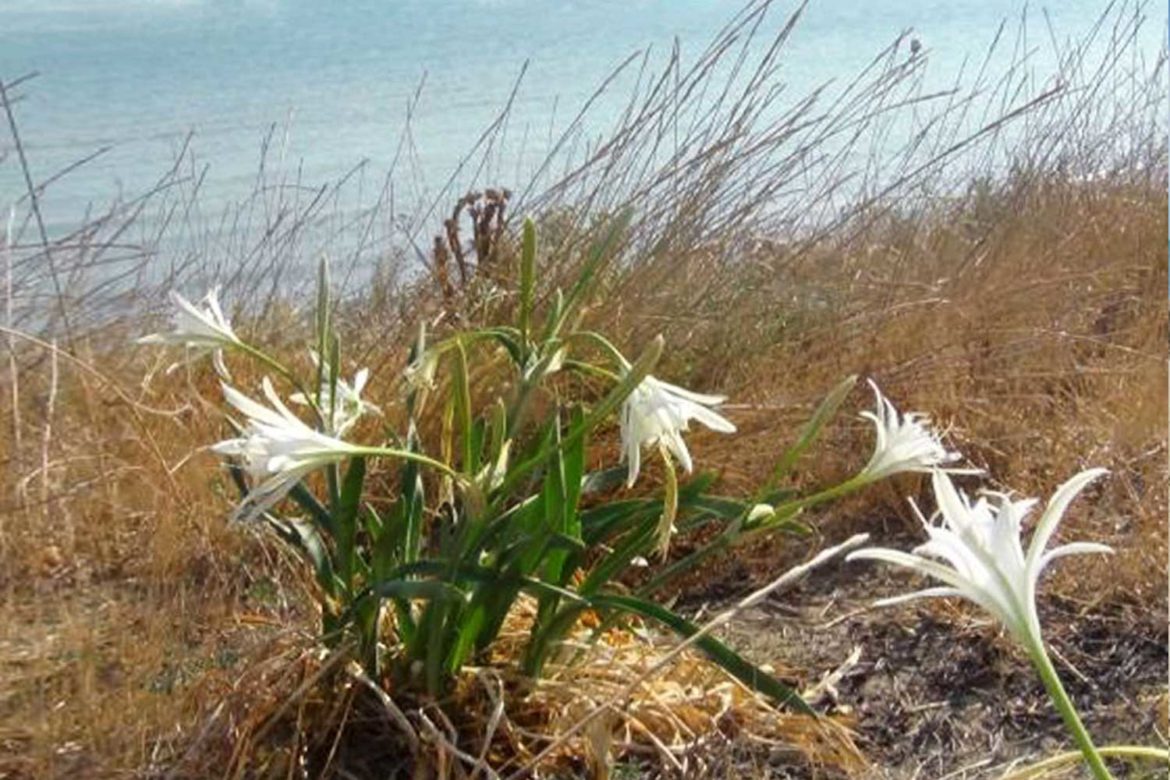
[(1014, 285)]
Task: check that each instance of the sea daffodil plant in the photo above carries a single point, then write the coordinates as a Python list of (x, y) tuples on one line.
[(479, 501)]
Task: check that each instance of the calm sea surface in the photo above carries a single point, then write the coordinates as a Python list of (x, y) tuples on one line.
[(337, 78)]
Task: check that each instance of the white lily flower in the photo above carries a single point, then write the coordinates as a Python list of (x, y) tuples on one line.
[(983, 558), (905, 442), (277, 448), (203, 328), (340, 416), (657, 412)]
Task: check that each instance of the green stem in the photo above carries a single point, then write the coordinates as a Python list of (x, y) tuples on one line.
[(828, 494), (1043, 664), (274, 364), (271, 362), (387, 452)]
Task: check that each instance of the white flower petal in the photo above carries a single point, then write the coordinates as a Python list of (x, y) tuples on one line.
[(217, 315), (274, 399), (710, 419), (221, 369), (230, 447), (908, 561), (263, 497), (633, 453), (250, 408), (674, 442), (689, 395), (1054, 511), (359, 381), (925, 593), (349, 406), (185, 306), (1072, 548)]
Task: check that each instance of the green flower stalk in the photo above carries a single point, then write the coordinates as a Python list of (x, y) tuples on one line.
[(976, 552)]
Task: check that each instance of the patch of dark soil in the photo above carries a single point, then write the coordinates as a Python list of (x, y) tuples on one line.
[(936, 689)]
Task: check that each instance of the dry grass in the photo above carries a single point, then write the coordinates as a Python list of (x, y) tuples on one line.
[(1037, 335), (296, 707), (1011, 280)]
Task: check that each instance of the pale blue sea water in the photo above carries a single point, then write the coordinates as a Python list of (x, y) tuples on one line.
[(337, 77)]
